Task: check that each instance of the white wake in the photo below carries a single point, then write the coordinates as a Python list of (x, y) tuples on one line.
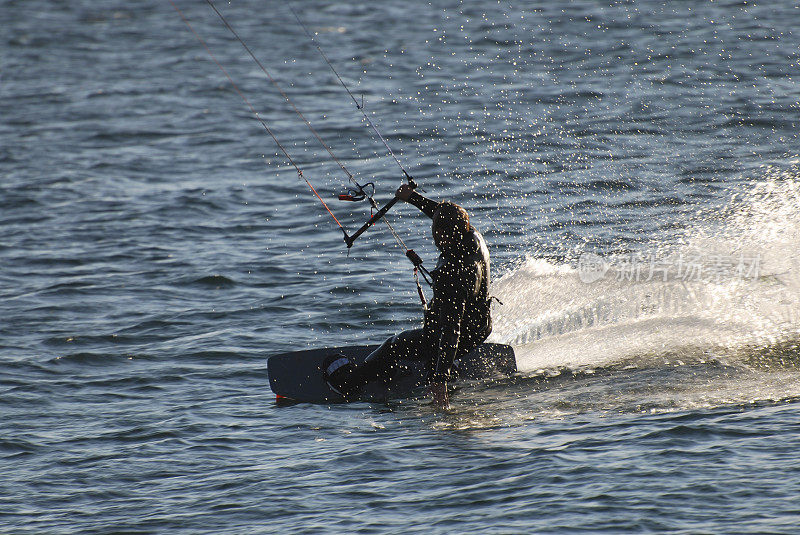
[(730, 284)]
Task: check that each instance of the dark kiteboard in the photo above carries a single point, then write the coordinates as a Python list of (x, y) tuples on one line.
[(297, 375)]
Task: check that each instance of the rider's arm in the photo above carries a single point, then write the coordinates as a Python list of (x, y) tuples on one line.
[(423, 203), (407, 194)]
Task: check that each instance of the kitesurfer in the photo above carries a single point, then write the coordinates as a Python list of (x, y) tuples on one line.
[(457, 319)]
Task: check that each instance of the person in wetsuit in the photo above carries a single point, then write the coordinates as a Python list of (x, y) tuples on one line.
[(456, 320)]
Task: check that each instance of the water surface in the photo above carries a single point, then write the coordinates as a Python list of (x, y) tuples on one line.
[(156, 248)]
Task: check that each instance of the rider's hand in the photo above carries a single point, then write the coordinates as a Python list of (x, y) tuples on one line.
[(404, 192)]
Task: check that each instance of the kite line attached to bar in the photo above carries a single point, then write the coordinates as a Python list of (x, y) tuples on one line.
[(257, 116), (357, 195)]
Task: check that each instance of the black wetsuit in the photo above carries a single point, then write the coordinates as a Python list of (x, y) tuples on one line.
[(457, 319)]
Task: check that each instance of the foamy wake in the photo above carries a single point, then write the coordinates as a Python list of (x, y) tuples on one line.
[(729, 285)]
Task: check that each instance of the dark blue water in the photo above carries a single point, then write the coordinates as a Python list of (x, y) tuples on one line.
[(156, 248)]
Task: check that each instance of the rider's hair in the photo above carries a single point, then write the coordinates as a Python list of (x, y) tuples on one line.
[(452, 220)]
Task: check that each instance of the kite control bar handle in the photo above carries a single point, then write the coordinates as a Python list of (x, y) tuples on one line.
[(349, 240), (372, 220)]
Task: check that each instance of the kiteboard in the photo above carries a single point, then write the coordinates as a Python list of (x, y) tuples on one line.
[(297, 376)]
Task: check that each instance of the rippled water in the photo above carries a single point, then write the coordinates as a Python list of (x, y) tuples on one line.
[(156, 248)]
